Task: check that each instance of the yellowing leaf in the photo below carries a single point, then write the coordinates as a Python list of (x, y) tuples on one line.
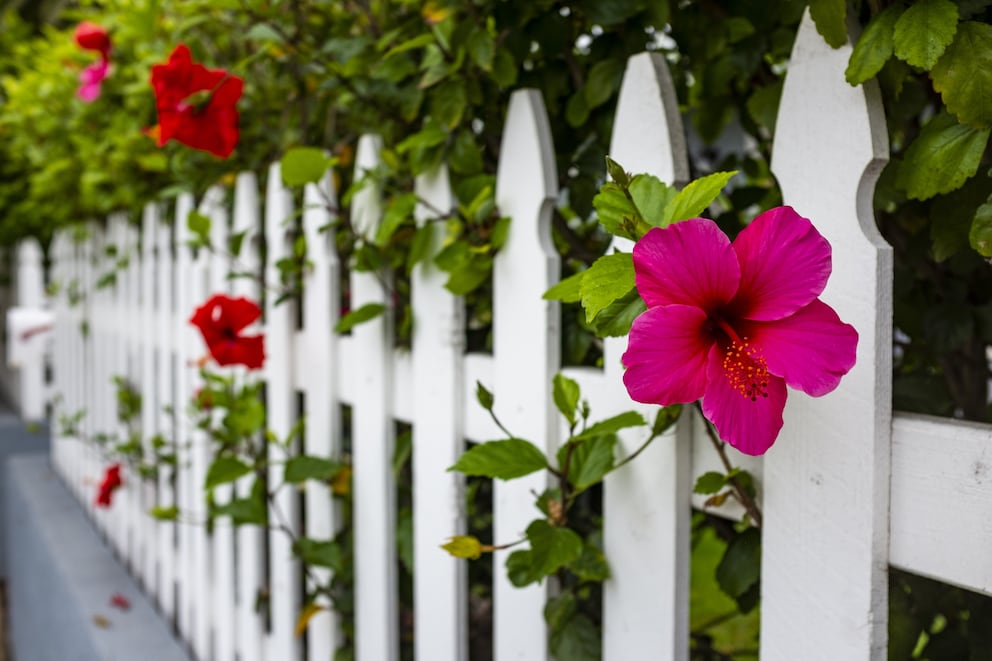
[(341, 484), (303, 621), (433, 14), (463, 546)]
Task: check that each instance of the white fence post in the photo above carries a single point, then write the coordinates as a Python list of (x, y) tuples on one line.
[(647, 516), (825, 536), (31, 294), (526, 354)]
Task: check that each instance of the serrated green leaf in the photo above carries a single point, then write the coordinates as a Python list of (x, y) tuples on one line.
[(874, 47), (567, 290), (942, 157), (830, 17), (651, 197), (616, 212), (616, 318), (225, 469), (740, 567), (367, 312), (963, 75), (695, 197), (552, 547), (303, 165), (565, 392), (463, 546), (710, 482), (305, 467), (609, 278), (924, 30), (484, 396), (980, 235), (612, 425), (504, 459)]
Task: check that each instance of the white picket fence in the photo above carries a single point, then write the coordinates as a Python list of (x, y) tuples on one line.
[(847, 490)]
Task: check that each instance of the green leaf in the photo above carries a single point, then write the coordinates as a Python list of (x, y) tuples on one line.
[(243, 511), (941, 158), (617, 173), (616, 212), (923, 32), (665, 418), (740, 567), (482, 48), (520, 569), (504, 460), (463, 546), (567, 290), (399, 210), (305, 467), (695, 197), (552, 547), (963, 75), (951, 217), (603, 80), (565, 392), (419, 41), (420, 246), (319, 553), (164, 513), (303, 165), (367, 312), (609, 278), (980, 235), (577, 640), (404, 538), (710, 482), (591, 565), (874, 47), (651, 197), (559, 610), (763, 104), (199, 226), (225, 469), (448, 102), (830, 17), (484, 396), (591, 460), (616, 318), (612, 425)]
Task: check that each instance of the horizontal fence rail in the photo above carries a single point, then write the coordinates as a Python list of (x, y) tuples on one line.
[(846, 490)]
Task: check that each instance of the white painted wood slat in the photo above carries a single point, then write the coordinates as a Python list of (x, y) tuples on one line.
[(825, 536), (526, 348)]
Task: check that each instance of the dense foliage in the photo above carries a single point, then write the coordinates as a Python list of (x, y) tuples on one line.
[(433, 79)]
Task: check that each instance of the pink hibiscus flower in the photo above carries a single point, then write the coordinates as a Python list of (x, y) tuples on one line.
[(90, 80), (735, 323)]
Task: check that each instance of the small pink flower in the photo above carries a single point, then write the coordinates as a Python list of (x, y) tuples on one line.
[(117, 600), (735, 323), (90, 80)]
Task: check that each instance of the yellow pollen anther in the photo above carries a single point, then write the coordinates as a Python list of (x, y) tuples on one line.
[(746, 370)]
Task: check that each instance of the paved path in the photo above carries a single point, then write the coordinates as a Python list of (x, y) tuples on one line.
[(15, 438)]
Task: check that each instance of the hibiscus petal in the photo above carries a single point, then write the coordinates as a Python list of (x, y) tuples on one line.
[(666, 355), (750, 426), (236, 313), (247, 350), (811, 349), (784, 265), (688, 263)]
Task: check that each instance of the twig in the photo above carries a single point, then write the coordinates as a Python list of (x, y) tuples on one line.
[(737, 490)]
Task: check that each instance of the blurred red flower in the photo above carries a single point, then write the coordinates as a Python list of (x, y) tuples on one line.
[(93, 37), (221, 320), (111, 482), (196, 105)]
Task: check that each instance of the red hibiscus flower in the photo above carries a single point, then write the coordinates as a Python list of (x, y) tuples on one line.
[(111, 483), (93, 37), (221, 320), (196, 105), (734, 323)]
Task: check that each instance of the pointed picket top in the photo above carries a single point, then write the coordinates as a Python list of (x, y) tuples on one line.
[(648, 135), (527, 177), (246, 220), (366, 203), (825, 533)]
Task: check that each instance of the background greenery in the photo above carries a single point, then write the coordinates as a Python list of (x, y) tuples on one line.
[(433, 79)]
